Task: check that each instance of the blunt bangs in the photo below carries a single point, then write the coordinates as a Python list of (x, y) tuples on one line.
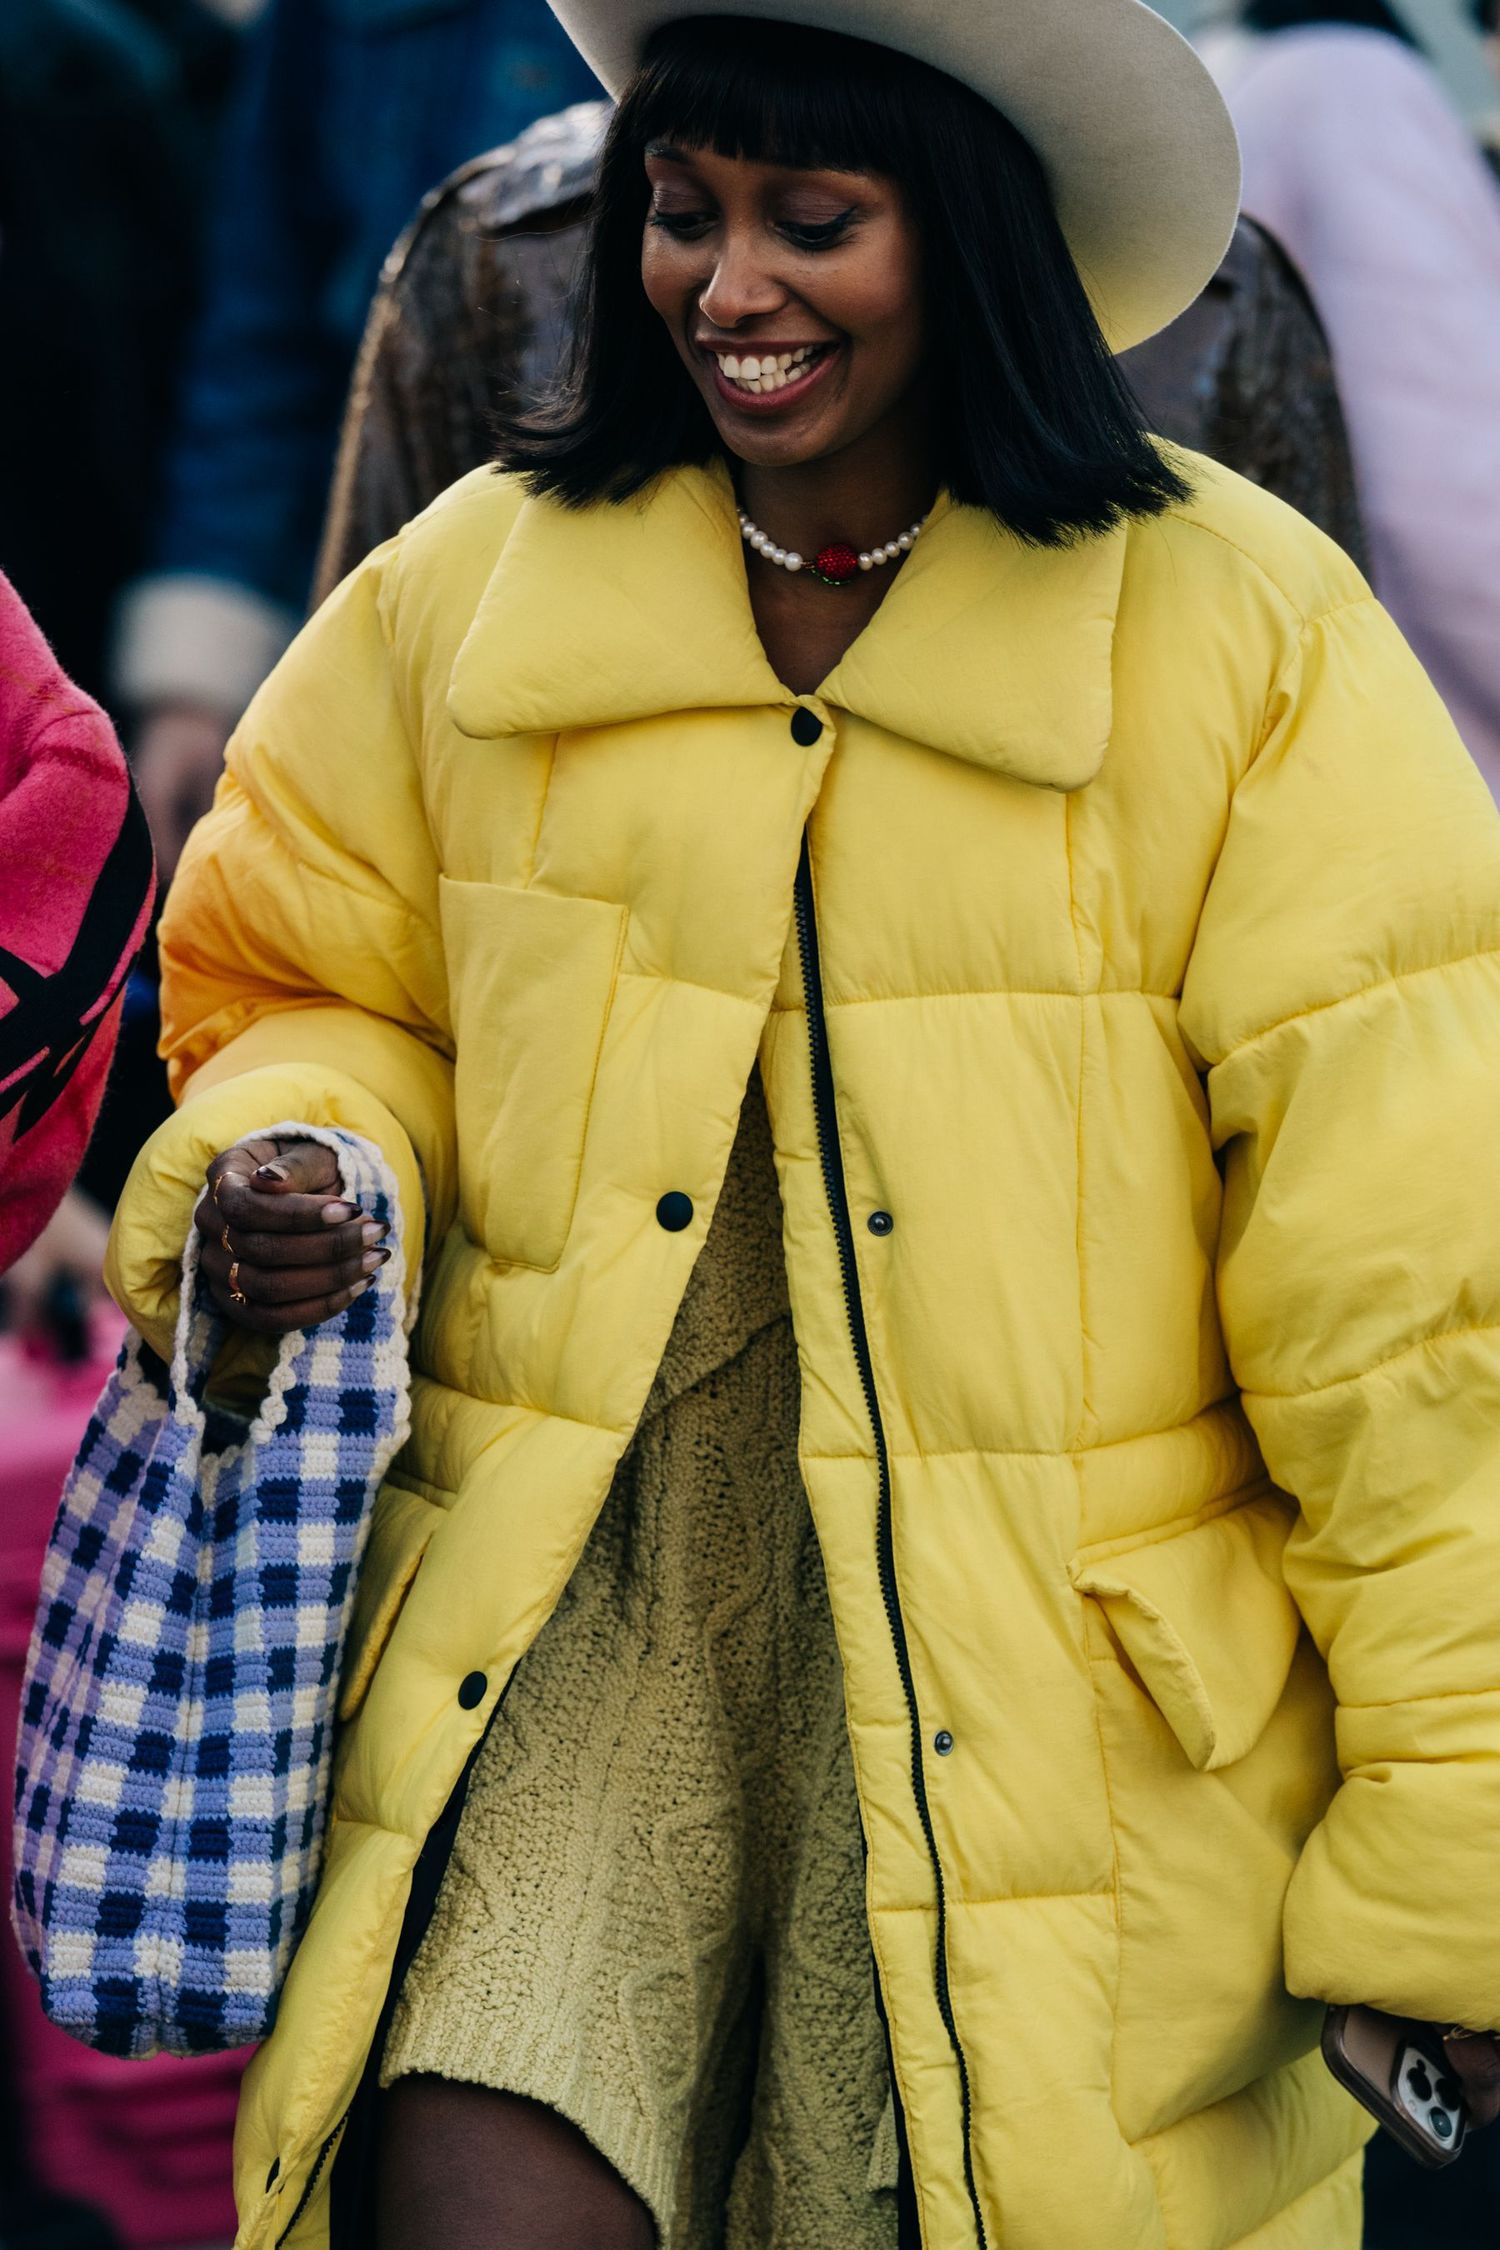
[(1033, 420), (778, 94)]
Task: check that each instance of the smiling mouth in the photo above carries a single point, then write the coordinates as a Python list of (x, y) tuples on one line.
[(746, 375)]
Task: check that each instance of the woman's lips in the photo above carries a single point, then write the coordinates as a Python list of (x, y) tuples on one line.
[(791, 393)]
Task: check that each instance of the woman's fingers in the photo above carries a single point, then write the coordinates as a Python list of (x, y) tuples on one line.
[(1476, 2063), (282, 1248), (280, 1320), (273, 1302), (290, 1285), (335, 1245), (298, 1168), (264, 1187), (232, 1168), (293, 1193)]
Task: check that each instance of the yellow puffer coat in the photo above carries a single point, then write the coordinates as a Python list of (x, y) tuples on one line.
[(1133, 1060)]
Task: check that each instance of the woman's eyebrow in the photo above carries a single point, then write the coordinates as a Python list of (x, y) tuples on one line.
[(666, 152)]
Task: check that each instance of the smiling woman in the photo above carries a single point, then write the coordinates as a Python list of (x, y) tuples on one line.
[(807, 193), (952, 1103), (792, 294)]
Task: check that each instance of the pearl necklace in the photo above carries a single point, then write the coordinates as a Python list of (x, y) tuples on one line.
[(835, 564)]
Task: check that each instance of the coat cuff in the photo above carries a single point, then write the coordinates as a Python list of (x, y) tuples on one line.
[(1391, 1904)]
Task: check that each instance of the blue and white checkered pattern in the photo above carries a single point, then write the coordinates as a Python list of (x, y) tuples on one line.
[(176, 1736)]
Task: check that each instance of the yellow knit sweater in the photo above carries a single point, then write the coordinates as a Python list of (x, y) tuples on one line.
[(653, 1920)]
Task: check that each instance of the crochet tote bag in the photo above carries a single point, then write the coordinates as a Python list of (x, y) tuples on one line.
[(175, 1751)]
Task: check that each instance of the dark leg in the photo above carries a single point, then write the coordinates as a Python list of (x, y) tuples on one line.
[(1408, 2209), (475, 2170)]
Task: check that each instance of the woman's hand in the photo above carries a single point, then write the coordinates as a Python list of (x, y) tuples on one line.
[(281, 1248), (1475, 2057)]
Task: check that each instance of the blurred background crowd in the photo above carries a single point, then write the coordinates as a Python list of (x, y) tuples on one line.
[(265, 268)]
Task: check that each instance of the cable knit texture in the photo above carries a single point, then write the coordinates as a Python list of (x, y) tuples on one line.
[(653, 1920)]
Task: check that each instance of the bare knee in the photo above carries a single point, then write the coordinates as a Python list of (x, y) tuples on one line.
[(477, 2170)]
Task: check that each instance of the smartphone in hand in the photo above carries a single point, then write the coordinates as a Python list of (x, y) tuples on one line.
[(1398, 2069)]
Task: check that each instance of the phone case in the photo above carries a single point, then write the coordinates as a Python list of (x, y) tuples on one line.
[(1399, 2071)]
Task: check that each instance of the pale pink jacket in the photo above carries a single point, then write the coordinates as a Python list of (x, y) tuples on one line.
[(1356, 160)]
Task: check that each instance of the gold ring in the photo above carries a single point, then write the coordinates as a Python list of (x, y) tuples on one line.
[(242, 1177), (228, 1245), (235, 1291)]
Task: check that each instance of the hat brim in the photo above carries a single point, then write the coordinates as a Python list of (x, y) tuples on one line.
[(1131, 130)]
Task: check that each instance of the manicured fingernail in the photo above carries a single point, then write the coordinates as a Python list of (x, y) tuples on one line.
[(359, 1288), (334, 1214), (272, 1172), (372, 1261), (371, 1231)]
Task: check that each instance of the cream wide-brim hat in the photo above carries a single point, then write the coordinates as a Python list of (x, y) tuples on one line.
[(1131, 130)]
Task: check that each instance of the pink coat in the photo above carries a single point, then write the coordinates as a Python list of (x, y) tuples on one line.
[(77, 882)]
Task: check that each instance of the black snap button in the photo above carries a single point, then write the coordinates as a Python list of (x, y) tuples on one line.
[(880, 1222), (273, 2175), (472, 1689), (942, 1742), (675, 1211), (806, 726)]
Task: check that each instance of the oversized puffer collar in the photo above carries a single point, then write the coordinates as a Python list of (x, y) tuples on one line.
[(667, 627)]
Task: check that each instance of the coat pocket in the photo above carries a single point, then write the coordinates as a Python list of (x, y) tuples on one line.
[(403, 1524), (531, 978), (1206, 1620)]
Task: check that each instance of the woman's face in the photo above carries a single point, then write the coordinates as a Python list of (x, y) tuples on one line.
[(793, 297)]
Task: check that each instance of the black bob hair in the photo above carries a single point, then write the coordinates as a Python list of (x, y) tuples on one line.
[(1033, 419)]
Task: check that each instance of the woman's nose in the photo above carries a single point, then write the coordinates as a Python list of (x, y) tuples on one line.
[(738, 289)]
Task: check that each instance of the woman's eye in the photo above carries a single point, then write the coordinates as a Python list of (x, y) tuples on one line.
[(682, 225), (803, 234)]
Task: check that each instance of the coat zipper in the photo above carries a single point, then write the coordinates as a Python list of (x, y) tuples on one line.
[(825, 1112)]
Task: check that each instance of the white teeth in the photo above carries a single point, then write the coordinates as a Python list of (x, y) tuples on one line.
[(759, 375)]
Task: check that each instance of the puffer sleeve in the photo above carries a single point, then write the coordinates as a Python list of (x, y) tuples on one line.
[(1344, 999), (302, 968)]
